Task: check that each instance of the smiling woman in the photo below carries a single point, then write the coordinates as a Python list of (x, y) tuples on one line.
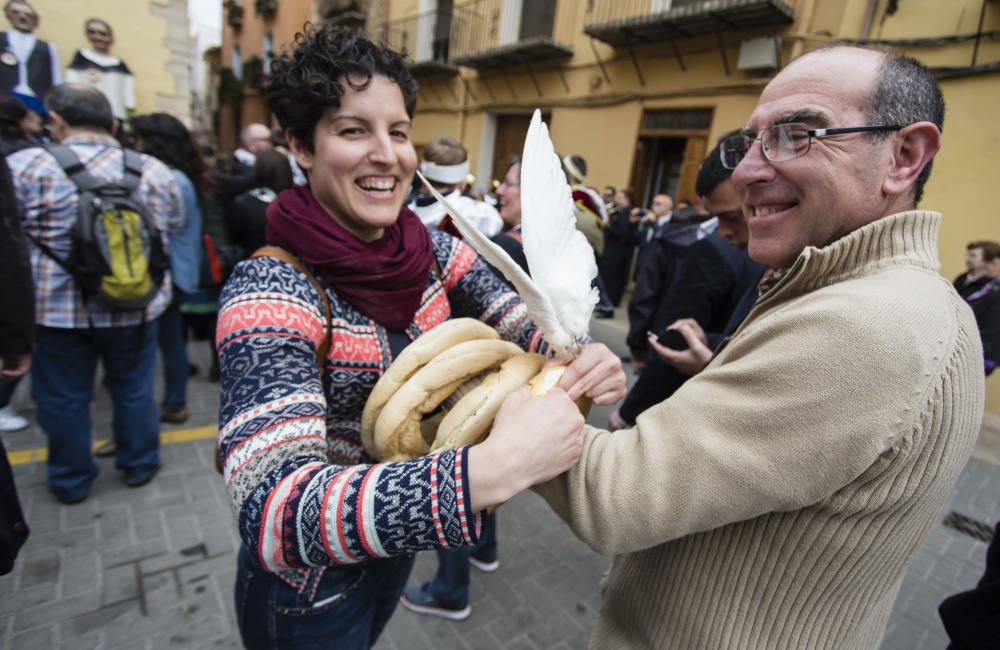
[(328, 534), (367, 160)]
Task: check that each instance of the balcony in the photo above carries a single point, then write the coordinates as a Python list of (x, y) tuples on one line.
[(621, 23), (495, 34), (425, 38)]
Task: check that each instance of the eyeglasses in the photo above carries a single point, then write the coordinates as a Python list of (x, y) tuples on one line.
[(785, 141)]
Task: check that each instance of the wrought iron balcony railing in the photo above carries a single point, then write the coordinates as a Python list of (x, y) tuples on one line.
[(497, 33), (628, 22), (425, 37)]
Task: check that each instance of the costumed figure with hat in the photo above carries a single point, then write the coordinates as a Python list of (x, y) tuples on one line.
[(28, 66), (446, 165), (100, 68)]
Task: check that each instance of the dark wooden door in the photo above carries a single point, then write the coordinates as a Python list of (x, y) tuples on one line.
[(509, 141)]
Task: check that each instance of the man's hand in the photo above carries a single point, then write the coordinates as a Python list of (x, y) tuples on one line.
[(687, 362), (533, 440), (14, 366), (597, 373)]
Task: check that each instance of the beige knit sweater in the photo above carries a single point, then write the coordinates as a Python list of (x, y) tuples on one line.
[(775, 500)]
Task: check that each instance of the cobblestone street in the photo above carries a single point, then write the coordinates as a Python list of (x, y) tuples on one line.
[(154, 567)]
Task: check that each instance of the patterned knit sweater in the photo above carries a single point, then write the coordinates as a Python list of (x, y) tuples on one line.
[(305, 493), (775, 500)]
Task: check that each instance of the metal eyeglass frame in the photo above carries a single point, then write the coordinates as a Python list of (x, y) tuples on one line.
[(810, 133)]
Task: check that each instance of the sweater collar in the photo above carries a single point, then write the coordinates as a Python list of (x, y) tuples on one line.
[(902, 239)]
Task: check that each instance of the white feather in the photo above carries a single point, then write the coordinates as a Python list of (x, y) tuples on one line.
[(560, 259), (559, 298)]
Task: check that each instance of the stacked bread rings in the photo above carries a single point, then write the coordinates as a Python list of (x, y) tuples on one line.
[(444, 390)]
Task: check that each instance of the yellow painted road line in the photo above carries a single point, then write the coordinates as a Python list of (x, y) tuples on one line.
[(41, 454)]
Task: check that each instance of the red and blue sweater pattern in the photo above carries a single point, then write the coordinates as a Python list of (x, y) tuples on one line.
[(305, 493)]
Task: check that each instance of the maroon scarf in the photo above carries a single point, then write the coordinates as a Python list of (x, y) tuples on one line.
[(384, 279)]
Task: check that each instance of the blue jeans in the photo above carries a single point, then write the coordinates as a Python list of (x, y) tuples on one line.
[(7, 391), (62, 380), (173, 350), (450, 586), (350, 609)]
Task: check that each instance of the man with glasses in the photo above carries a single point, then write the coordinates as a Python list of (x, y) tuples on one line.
[(775, 500), (100, 68)]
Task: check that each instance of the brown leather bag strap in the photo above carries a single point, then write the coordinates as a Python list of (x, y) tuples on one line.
[(288, 258), (324, 347)]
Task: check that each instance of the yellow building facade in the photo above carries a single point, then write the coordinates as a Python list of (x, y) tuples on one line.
[(641, 88), (151, 36)]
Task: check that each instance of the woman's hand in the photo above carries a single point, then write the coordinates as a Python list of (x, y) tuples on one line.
[(596, 373), (533, 440), (690, 361)]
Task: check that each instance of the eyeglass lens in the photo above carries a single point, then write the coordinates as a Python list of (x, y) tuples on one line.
[(779, 142)]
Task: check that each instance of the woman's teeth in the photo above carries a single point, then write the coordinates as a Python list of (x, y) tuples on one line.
[(377, 184)]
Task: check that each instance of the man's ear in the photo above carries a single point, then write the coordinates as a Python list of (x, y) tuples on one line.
[(57, 126), (303, 155), (915, 146)]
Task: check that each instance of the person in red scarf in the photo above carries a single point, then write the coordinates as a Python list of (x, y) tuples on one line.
[(328, 534)]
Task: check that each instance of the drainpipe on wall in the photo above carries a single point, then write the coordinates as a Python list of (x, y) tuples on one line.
[(866, 24), (805, 24)]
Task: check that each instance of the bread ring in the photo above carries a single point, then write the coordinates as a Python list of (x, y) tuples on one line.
[(411, 359), (397, 429), (548, 379), (469, 421)]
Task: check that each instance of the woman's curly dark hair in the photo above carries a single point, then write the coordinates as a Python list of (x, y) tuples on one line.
[(165, 138), (12, 111), (308, 80)]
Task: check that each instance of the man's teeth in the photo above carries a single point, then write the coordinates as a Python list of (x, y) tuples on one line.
[(763, 212), (377, 184)]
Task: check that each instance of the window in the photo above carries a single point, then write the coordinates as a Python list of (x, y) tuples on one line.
[(237, 62), (268, 52)]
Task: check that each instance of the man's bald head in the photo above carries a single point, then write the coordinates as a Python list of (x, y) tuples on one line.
[(901, 91), (836, 182), (81, 106), (662, 204), (256, 137)]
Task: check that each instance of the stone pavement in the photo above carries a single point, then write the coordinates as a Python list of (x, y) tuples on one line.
[(154, 567)]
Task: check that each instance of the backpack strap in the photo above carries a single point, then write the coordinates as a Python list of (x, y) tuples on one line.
[(132, 162), (288, 258), (75, 170)]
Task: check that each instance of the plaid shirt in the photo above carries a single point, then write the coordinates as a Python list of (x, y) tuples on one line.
[(48, 201)]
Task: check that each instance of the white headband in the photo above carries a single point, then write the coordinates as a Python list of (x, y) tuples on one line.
[(451, 174), (572, 169)]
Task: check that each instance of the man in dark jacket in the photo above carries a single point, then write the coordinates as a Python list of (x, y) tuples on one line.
[(17, 321), (711, 287), (975, 276)]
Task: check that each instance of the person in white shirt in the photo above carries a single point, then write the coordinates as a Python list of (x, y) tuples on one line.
[(446, 165), (28, 66), (99, 68)]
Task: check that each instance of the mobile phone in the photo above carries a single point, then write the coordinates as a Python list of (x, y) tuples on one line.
[(669, 339)]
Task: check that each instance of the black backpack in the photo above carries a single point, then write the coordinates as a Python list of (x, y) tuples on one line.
[(116, 257)]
